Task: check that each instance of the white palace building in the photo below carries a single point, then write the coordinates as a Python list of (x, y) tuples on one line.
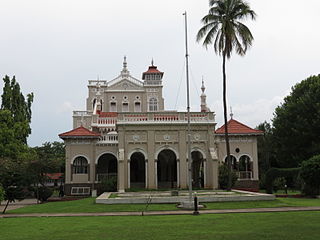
[(126, 133)]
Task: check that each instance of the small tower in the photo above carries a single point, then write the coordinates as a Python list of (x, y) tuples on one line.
[(203, 99), (125, 72), (153, 76)]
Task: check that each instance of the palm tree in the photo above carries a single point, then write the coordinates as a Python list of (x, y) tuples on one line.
[(223, 28)]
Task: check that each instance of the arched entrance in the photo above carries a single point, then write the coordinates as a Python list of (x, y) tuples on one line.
[(137, 170), (107, 167), (167, 169), (245, 167), (197, 169)]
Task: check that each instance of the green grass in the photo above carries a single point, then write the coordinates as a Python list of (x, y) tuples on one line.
[(89, 205), (249, 226)]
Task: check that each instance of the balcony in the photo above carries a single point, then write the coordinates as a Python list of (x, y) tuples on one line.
[(110, 138), (165, 117)]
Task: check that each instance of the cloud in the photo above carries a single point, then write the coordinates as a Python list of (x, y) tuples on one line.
[(251, 114), (65, 107)]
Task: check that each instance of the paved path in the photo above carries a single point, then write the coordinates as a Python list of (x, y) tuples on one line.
[(154, 213)]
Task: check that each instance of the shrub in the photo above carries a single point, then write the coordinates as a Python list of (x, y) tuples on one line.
[(223, 177), (108, 184), (43, 193), (310, 173), (1, 193), (274, 173), (279, 183)]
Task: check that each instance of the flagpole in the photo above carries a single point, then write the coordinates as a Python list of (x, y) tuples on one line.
[(188, 109)]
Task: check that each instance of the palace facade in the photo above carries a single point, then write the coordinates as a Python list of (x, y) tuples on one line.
[(125, 133)]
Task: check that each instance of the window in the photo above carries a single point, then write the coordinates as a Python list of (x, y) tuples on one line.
[(113, 107), (125, 107), (137, 107), (233, 162), (80, 165), (153, 105)]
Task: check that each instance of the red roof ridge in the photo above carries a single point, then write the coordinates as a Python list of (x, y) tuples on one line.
[(236, 127), (79, 132)]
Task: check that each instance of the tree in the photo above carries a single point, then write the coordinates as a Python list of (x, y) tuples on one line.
[(13, 180), (15, 118), (266, 153), (296, 124), (310, 173), (14, 101), (223, 28)]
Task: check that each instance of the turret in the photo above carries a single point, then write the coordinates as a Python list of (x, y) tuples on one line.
[(203, 99), (153, 76)]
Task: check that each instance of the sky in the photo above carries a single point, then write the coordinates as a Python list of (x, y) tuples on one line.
[(54, 47)]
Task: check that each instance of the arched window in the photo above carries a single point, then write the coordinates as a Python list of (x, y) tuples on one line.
[(80, 166), (137, 107), (125, 107), (113, 107), (233, 162), (153, 105), (245, 167)]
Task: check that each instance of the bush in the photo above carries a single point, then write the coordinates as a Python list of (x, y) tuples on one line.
[(310, 174), (108, 184), (1, 193), (223, 177), (274, 173), (279, 183), (43, 193)]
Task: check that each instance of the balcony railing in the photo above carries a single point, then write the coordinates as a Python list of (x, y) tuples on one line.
[(101, 176), (243, 175), (166, 117), (109, 138)]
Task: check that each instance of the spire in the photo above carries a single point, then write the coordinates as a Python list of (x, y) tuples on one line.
[(125, 71), (125, 62), (231, 114), (203, 98), (152, 63), (203, 87)]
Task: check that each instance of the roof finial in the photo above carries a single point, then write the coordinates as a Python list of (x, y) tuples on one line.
[(152, 62), (125, 62), (202, 86), (231, 114)]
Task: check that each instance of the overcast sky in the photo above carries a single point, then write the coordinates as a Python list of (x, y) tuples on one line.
[(54, 46)]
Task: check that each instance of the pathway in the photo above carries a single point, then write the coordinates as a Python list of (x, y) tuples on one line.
[(154, 213)]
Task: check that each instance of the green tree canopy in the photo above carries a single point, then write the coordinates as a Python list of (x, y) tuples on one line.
[(19, 107), (296, 124)]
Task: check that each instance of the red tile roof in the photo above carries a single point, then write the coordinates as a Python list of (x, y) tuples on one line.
[(235, 127), (54, 175), (152, 69), (79, 132), (108, 114)]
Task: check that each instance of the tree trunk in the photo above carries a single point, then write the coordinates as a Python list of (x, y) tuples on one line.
[(5, 208), (225, 113)]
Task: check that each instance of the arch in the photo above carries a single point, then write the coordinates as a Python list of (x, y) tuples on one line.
[(199, 150), (137, 173), (167, 174), (80, 155), (234, 162), (80, 165), (245, 167), (107, 152), (197, 169), (167, 148), (140, 150), (107, 167)]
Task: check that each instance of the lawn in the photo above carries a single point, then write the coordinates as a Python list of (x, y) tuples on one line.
[(89, 205), (273, 226)]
